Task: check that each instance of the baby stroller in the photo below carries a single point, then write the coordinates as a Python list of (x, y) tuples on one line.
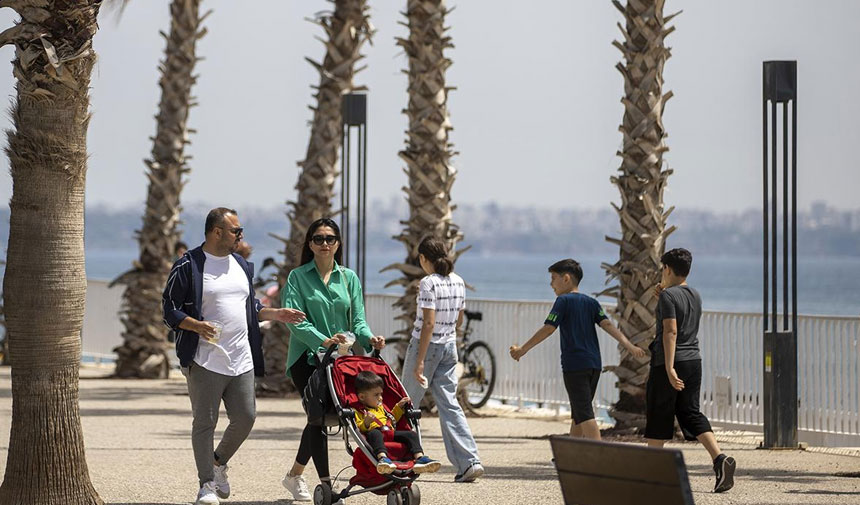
[(399, 486)]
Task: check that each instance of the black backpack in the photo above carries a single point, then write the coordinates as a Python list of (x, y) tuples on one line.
[(316, 399)]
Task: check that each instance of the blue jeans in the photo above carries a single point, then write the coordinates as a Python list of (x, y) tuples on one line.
[(439, 365)]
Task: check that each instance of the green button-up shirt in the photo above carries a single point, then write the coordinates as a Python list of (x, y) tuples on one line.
[(330, 309)]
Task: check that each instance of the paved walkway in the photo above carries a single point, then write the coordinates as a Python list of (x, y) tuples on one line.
[(139, 452)]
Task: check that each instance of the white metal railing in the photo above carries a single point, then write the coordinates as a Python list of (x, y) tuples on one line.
[(731, 344), (536, 377)]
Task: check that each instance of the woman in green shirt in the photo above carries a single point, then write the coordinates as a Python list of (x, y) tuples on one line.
[(330, 295)]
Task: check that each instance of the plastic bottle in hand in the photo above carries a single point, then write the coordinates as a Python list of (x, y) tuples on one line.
[(218, 327), (343, 349)]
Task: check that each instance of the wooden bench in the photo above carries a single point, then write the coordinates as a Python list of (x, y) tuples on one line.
[(604, 473)]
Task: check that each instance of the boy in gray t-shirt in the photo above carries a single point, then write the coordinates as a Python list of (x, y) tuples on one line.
[(675, 381), (683, 304)]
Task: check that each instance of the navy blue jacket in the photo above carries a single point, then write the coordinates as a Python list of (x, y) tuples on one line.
[(183, 297)]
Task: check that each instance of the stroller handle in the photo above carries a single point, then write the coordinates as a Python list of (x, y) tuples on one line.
[(327, 357)]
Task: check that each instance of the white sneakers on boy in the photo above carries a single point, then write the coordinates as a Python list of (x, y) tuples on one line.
[(207, 495), (222, 487), (296, 485)]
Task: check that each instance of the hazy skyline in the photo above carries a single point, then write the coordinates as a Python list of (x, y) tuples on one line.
[(535, 113)]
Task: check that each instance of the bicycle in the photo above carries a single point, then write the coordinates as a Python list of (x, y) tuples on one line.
[(478, 363)]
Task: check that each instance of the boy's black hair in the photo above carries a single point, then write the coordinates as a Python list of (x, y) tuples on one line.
[(679, 261), (567, 266), (365, 381)]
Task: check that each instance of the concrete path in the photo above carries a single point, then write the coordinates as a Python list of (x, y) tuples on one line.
[(139, 452)]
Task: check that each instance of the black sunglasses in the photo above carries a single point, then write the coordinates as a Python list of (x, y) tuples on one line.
[(235, 231), (328, 239)]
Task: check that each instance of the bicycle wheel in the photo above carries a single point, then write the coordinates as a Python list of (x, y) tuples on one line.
[(479, 377)]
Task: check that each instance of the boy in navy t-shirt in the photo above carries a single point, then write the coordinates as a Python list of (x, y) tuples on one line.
[(576, 315)]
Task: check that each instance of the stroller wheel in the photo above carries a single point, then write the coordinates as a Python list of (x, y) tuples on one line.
[(322, 495), (412, 495), (394, 498)]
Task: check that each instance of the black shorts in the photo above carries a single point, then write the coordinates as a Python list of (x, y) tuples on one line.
[(581, 386), (664, 403)]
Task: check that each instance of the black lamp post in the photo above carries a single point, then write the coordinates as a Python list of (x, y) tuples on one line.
[(780, 344), (354, 232)]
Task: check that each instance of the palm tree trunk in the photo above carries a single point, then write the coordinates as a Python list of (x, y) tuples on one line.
[(641, 182), (428, 151), (143, 353), (5, 349), (347, 29), (45, 283)]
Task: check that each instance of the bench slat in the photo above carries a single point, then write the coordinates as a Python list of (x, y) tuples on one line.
[(598, 473), (582, 489)]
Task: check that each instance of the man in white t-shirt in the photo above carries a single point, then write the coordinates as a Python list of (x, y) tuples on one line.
[(209, 301)]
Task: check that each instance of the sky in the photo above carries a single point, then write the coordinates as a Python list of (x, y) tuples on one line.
[(535, 113)]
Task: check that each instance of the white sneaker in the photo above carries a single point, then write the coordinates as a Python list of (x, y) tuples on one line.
[(297, 486), (207, 495), (471, 474), (222, 487)]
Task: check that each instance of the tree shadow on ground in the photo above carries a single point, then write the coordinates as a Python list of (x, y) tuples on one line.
[(184, 412), (289, 433), (131, 393), (822, 492), (270, 502), (767, 474), (134, 412), (506, 440), (528, 472)]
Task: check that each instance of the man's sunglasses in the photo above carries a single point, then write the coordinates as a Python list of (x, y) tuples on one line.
[(328, 239), (235, 231)]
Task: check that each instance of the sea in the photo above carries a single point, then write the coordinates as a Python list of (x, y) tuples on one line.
[(827, 285)]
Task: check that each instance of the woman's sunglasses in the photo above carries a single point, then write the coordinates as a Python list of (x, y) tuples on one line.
[(328, 239)]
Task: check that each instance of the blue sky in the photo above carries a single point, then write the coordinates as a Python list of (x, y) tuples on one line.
[(535, 113)]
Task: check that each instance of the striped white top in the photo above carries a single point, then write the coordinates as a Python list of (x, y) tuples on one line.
[(447, 296)]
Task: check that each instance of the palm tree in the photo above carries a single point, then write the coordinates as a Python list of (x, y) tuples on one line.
[(428, 151), (641, 182), (45, 284), (144, 352), (347, 28), (4, 349)]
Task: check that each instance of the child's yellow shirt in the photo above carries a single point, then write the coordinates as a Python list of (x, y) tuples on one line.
[(379, 417)]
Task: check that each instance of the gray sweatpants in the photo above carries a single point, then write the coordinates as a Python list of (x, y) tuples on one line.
[(206, 390)]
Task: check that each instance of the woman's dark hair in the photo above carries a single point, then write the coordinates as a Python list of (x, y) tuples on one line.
[(307, 254), (567, 266), (679, 261), (436, 253), (365, 381)]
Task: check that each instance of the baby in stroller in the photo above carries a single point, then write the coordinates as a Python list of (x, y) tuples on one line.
[(371, 412), (378, 425)]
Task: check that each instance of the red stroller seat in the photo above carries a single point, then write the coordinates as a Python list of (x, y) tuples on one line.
[(344, 371)]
